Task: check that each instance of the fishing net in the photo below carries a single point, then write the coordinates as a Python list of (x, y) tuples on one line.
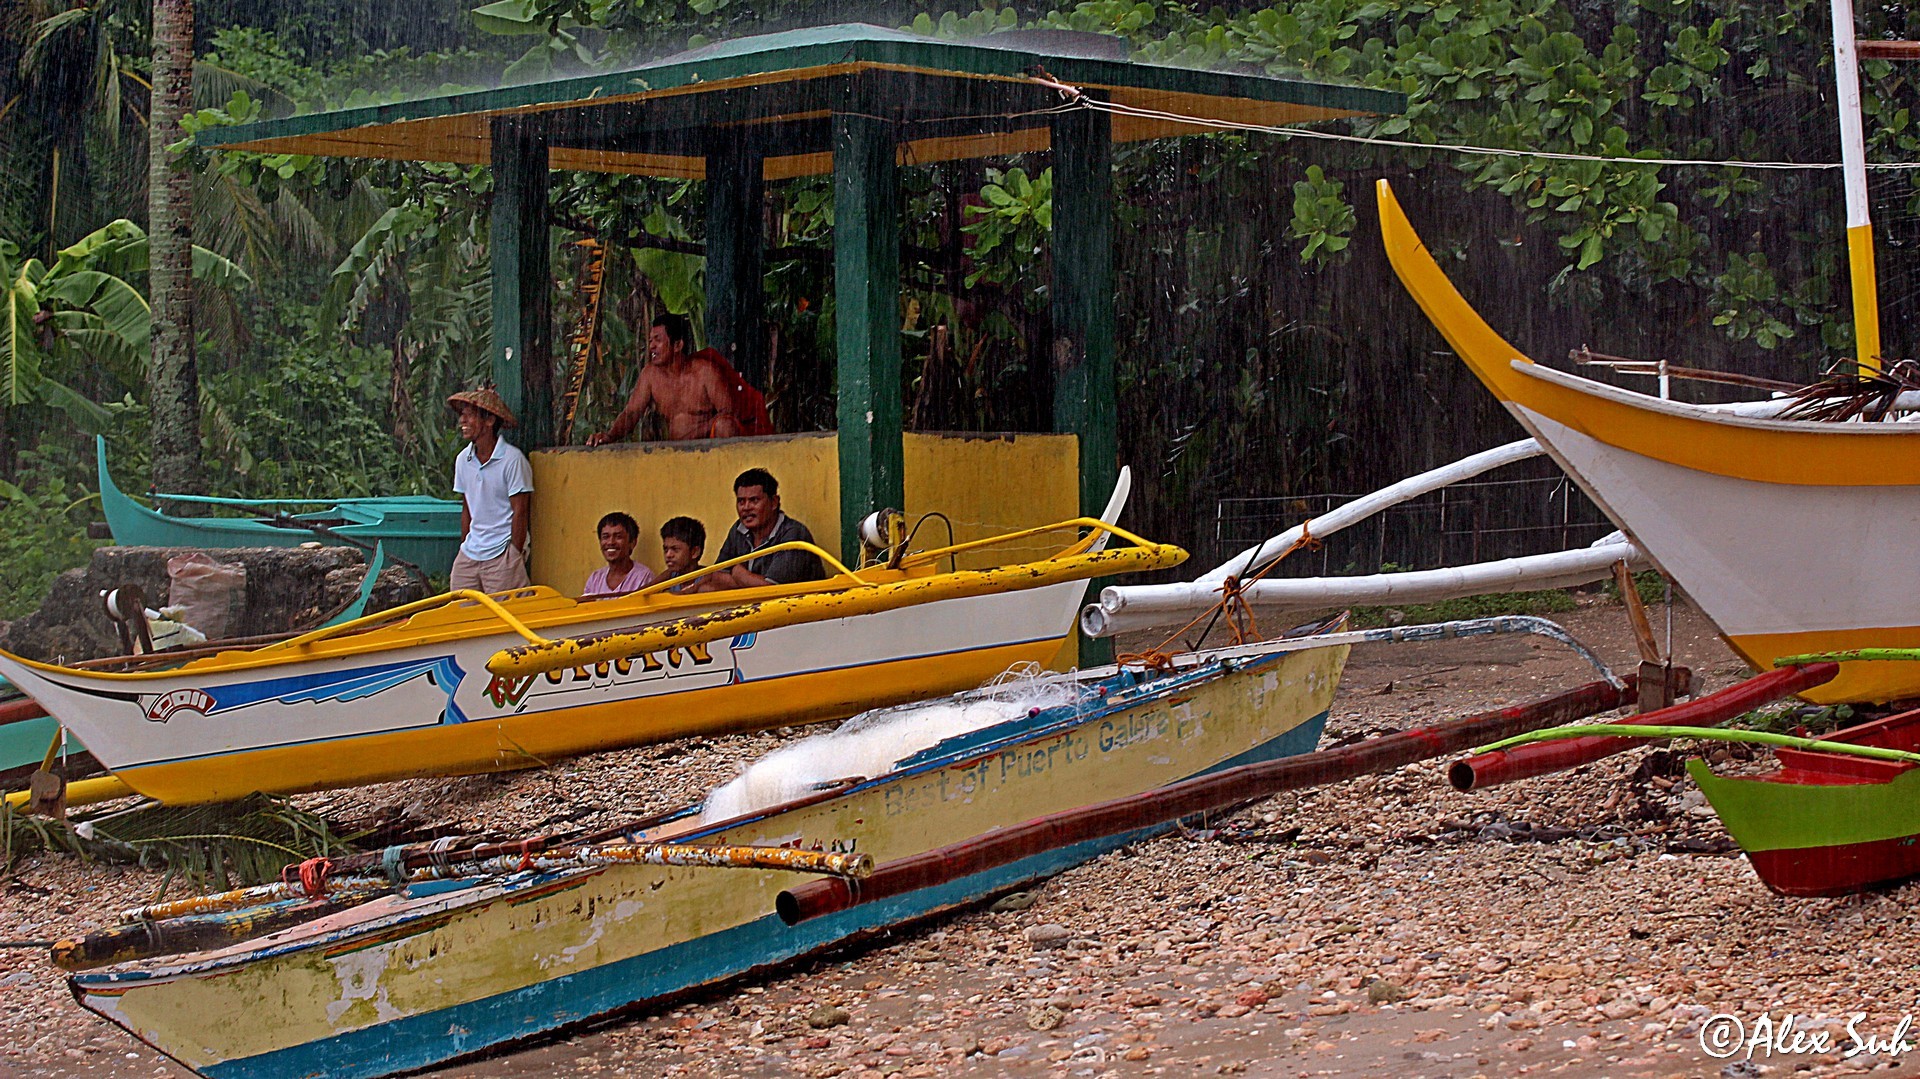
[(872, 743)]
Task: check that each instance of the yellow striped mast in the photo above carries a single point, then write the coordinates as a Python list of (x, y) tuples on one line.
[(1853, 158)]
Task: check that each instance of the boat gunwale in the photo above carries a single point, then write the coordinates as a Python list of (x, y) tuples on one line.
[(1803, 767), (1430, 285), (554, 609), (1023, 729), (1690, 411)]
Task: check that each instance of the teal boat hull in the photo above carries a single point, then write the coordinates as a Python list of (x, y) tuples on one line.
[(416, 529)]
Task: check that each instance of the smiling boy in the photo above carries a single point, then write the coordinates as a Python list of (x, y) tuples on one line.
[(495, 485)]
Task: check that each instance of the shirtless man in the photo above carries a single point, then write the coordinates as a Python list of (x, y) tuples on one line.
[(689, 392)]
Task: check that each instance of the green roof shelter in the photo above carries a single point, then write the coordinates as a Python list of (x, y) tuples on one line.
[(853, 100)]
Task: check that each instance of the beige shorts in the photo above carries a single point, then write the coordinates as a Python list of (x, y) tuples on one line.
[(506, 570)]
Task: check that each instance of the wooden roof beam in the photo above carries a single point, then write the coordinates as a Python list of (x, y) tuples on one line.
[(1888, 50)]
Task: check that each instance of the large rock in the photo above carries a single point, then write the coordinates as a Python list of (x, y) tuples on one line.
[(287, 588)]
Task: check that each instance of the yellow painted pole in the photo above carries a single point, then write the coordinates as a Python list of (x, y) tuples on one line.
[(82, 792), (1853, 158), (1866, 298)]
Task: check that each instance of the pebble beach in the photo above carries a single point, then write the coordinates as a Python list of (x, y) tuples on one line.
[(1586, 924)]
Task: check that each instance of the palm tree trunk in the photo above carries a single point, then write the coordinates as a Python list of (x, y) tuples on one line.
[(173, 380)]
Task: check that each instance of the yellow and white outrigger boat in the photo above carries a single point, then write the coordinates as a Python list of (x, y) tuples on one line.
[(1769, 524), (409, 692)]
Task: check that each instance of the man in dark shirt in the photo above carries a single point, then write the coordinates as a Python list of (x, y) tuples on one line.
[(756, 498)]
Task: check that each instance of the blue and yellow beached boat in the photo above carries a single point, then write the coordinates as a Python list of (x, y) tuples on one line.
[(467, 683), (455, 966)]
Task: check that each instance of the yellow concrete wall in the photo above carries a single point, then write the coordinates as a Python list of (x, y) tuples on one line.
[(988, 484), (573, 487)]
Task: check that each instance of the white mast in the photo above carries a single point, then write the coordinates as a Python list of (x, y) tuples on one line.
[(1853, 157)]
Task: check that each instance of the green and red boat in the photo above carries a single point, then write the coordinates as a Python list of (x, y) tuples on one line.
[(1828, 824)]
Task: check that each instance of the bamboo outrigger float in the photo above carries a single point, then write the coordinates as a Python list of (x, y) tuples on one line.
[(383, 698)]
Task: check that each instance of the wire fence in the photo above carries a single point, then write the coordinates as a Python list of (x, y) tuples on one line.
[(1466, 522)]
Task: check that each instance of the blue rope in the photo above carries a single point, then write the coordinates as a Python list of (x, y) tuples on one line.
[(393, 861)]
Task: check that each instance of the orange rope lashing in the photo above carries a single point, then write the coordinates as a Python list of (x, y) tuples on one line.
[(1241, 622)]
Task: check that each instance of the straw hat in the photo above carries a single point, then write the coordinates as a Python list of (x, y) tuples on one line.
[(486, 399)]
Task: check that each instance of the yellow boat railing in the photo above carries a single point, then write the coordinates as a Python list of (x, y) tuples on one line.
[(492, 605), (757, 615), (457, 595), (839, 568), (1077, 547)]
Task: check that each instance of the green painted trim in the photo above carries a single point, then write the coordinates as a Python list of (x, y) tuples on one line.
[(736, 275), (1766, 816), (1085, 401), (522, 289), (1876, 655), (866, 301), (795, 52), (1709, 734)]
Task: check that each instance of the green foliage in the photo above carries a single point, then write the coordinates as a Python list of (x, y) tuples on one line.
[(43, 531), (1790, 718), (1741, 297), (1321, 216), (1648, 583), (1011, 228), (680, 279), (1548, 601), (80, 312), (329, 437)]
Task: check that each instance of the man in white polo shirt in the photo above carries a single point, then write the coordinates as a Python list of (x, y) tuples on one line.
[(495, 485)]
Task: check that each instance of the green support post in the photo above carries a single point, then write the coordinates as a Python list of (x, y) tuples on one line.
[(1083, 320), (736, 289), (522, 280), (866, 289)]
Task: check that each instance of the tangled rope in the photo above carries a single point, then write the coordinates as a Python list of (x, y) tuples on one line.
[(1241, 623), (313, 876)]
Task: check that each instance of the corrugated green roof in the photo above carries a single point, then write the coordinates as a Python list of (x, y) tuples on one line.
[(951, 99)]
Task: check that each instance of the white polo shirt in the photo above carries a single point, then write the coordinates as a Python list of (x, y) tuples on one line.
[(488, 488)]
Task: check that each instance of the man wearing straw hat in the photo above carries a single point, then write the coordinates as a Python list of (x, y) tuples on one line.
[(495, 485)]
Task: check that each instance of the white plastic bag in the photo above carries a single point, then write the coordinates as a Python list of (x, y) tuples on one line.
[(208, 594)]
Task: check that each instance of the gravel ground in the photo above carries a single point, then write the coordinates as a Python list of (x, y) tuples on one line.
[(1582, 924)]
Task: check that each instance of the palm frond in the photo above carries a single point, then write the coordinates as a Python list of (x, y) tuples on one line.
[(19, 348), (223, 845), (78, 407), (213, 85)]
